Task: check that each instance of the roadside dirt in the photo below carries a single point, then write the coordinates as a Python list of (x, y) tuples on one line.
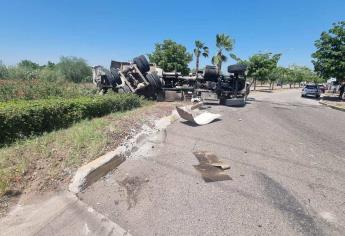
[(45, 176)]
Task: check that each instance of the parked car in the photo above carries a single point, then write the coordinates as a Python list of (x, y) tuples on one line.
[(322, 88), (311, 90)]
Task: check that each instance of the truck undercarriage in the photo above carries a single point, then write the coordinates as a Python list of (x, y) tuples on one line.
[(143, 78)]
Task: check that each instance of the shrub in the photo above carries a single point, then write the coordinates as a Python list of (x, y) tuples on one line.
[(3, 71), (40, 89), (49, 74), (20, 72), (20, 119), (74, 69)]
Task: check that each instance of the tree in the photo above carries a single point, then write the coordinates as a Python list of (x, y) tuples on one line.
[(277, 74), (298, 74), (223, 43), (171, 56), (329, 58), (261, 65), (27, 64), (200, 49), (74, 69)]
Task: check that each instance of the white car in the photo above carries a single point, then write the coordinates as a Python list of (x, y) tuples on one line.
[(311, 90)]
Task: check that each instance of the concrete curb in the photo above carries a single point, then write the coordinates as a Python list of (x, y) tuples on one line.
[(65, 213), (94, 170), (331, 106)]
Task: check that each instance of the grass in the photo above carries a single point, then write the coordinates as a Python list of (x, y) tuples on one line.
[(43, 162), (63, 148)]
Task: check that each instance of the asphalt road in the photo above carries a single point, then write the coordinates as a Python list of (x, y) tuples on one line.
[(287, 158)]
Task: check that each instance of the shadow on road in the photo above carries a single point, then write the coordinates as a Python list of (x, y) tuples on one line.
[(331, 98), (189, 123)]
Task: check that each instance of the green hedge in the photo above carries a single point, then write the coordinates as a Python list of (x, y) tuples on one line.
[(20, 119)]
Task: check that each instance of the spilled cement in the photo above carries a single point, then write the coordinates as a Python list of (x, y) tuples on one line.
[(152, 138)]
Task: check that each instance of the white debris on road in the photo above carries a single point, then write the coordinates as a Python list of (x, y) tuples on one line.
[(191, 115)]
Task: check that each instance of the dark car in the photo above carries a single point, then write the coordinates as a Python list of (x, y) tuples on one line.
[(322, 88)]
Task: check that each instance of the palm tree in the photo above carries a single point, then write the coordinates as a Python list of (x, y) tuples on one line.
[(223, 43), (200, 49)]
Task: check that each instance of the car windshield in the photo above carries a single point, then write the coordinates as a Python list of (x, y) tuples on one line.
[(311, 86)]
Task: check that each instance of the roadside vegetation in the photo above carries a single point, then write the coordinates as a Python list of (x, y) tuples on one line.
[(329, 57), (49, 124), (33, 89), (70, 77), (22, 119), (43, 163), (171, 56)]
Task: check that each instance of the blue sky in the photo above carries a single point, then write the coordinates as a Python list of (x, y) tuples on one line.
[(103, 30)]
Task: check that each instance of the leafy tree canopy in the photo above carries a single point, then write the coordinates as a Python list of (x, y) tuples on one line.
[(200, 49), (262, 64), (329, 58), (223, 43), (171, 56)]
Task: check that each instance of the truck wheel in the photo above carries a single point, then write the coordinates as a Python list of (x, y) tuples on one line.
[(150, 78), (142, 64), (158, 81), (211, 73)]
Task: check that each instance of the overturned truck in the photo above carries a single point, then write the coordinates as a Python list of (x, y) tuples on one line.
[(143, 78), (137, 76)]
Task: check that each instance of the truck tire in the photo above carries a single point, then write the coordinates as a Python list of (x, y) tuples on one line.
[(150, 78), (142, 64), (237, 68), (211, 73), (158, 81)]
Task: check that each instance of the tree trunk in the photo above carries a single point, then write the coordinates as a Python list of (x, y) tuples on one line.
[(290, 85), (254, 84), (197, 66), (219, 67), (272, 84)]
